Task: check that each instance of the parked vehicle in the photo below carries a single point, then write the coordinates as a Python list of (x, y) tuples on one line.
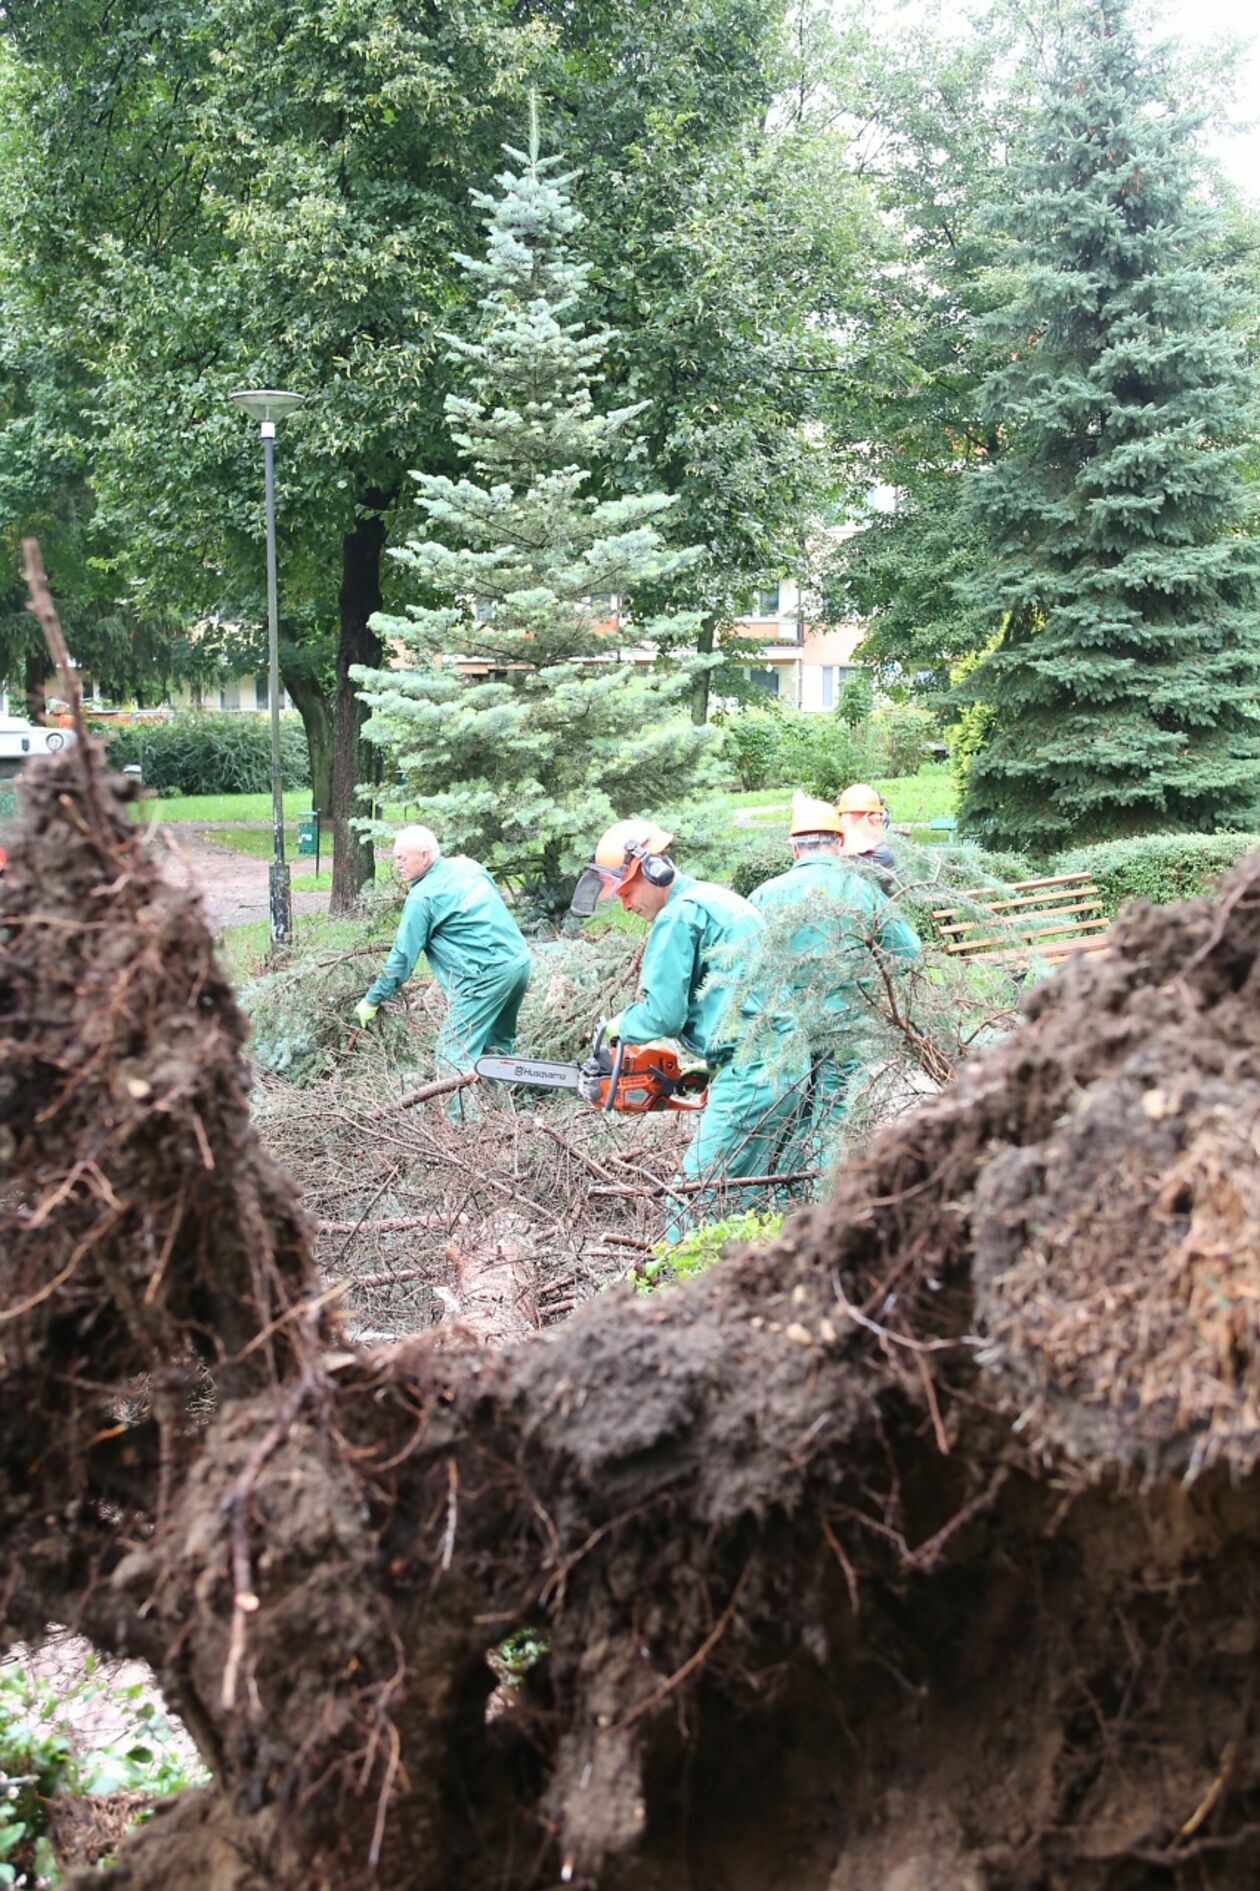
[(19, 741)]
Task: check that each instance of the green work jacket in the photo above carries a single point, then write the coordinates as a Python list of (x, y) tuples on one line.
[(678, 1000), (454, 914), (825, 881)]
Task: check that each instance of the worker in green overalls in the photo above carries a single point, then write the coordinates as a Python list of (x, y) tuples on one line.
[(697, 927), (455, 915), (845, 914)]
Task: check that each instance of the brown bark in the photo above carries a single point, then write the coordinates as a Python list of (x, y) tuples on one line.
[(496, 1300), (916, 1550), (700, 683), (316, 710), (36, 674), (354, 760)]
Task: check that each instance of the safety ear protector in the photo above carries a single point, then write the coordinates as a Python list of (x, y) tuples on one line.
[(657, 869)]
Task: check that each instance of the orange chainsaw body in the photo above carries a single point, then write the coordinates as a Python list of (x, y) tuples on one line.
[(650, 1077)]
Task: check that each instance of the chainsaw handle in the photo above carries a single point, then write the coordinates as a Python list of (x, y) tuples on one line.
[(610, 1095)]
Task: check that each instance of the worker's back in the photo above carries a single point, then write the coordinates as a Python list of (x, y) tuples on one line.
[(468, 931), (848, 909)]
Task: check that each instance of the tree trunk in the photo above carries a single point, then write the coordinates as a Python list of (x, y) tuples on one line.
[(316, 710), (36, 680), (700, 684), (353, 759)]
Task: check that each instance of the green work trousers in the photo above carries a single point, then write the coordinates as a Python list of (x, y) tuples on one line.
[(481, 1017), (745, 1128)]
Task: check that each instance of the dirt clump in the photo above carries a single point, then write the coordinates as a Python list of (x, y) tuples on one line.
[(919, 1549)]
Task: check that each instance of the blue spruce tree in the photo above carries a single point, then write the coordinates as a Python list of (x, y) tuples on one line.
[(1126, 686), (523, 725)]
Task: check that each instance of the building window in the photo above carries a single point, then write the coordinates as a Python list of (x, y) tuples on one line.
[(829, 686), (262, 697), (763, 678), (483, 610), (768, 601)]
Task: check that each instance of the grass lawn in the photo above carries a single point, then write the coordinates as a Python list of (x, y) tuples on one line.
[(212, 808), (913, 800), (245, 949)]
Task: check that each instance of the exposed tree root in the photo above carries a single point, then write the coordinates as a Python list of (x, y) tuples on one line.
[(916, 1551)]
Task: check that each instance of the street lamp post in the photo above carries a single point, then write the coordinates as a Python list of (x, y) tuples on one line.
[(267, 405)]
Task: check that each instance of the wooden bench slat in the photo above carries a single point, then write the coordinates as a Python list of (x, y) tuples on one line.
[(1063, 949), (1084, 889), (1028, 886), (1032, 937), (1018, 924)]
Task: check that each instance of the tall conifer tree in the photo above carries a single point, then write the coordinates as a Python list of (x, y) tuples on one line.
[(1126, 685), (556, 732)]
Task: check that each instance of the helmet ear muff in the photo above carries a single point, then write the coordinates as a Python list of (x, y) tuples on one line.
[(657, 869)]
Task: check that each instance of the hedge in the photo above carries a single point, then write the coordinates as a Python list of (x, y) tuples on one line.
[(766, 748), (1156, 867), (202, 753)]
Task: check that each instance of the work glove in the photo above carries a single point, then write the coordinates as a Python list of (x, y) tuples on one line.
[(612, 1029), (591, 1076), (364, 1012)]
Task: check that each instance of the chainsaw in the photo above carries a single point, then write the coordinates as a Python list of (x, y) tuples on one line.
[(631, 1078)]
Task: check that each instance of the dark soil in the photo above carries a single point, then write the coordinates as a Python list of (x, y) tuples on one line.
[(916, 1553)]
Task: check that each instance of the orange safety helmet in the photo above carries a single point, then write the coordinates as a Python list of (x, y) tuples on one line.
[(858, 798), (624, 850), (812, 817)]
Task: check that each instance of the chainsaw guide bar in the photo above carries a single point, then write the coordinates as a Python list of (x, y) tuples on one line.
[(537, 1074)]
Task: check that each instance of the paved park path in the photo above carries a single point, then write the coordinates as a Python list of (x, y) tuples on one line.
[(233, 885)]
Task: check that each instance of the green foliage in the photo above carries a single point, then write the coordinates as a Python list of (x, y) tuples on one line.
[(823, 753), (38, 1746), (750, 746), (1157, 867), (301, 1010), (36, 1752), (1119, 513), (974, 723), (700, 1247), (757, 859), (901, 734), (204, 754), (558, 732)]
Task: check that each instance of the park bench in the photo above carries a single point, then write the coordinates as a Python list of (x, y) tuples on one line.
[(1052, 917)]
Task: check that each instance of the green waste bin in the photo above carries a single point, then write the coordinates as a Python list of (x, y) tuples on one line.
[(308, 832)]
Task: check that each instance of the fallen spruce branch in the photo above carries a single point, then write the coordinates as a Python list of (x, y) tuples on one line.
[(715, 1183), (394, 1224)]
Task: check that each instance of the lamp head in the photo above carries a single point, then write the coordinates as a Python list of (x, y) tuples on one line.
[(267, 403)]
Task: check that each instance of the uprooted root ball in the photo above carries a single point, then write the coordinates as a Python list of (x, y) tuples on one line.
[(915, 1551)]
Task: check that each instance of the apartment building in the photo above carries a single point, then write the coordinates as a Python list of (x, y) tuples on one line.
[(804, 665)]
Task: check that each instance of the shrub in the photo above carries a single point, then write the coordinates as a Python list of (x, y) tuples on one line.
[(750, 747), (756, 858), (901, 734), (822, 753), (200, 753), (1157, 867)]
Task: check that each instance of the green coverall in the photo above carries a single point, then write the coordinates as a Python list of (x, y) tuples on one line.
[(455, 914), (825, 881), (749, 1111)]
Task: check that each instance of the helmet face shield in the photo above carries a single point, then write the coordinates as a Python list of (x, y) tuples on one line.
[(594, 884)]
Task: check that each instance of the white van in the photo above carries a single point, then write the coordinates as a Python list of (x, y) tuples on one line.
[(20, 739)]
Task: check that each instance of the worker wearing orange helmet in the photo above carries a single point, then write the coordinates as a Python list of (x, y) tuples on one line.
[(863, 825), (842, 921), (698, 928)]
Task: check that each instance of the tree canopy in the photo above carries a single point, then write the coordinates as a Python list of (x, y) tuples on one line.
[(1125, 687), (556, 731)]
